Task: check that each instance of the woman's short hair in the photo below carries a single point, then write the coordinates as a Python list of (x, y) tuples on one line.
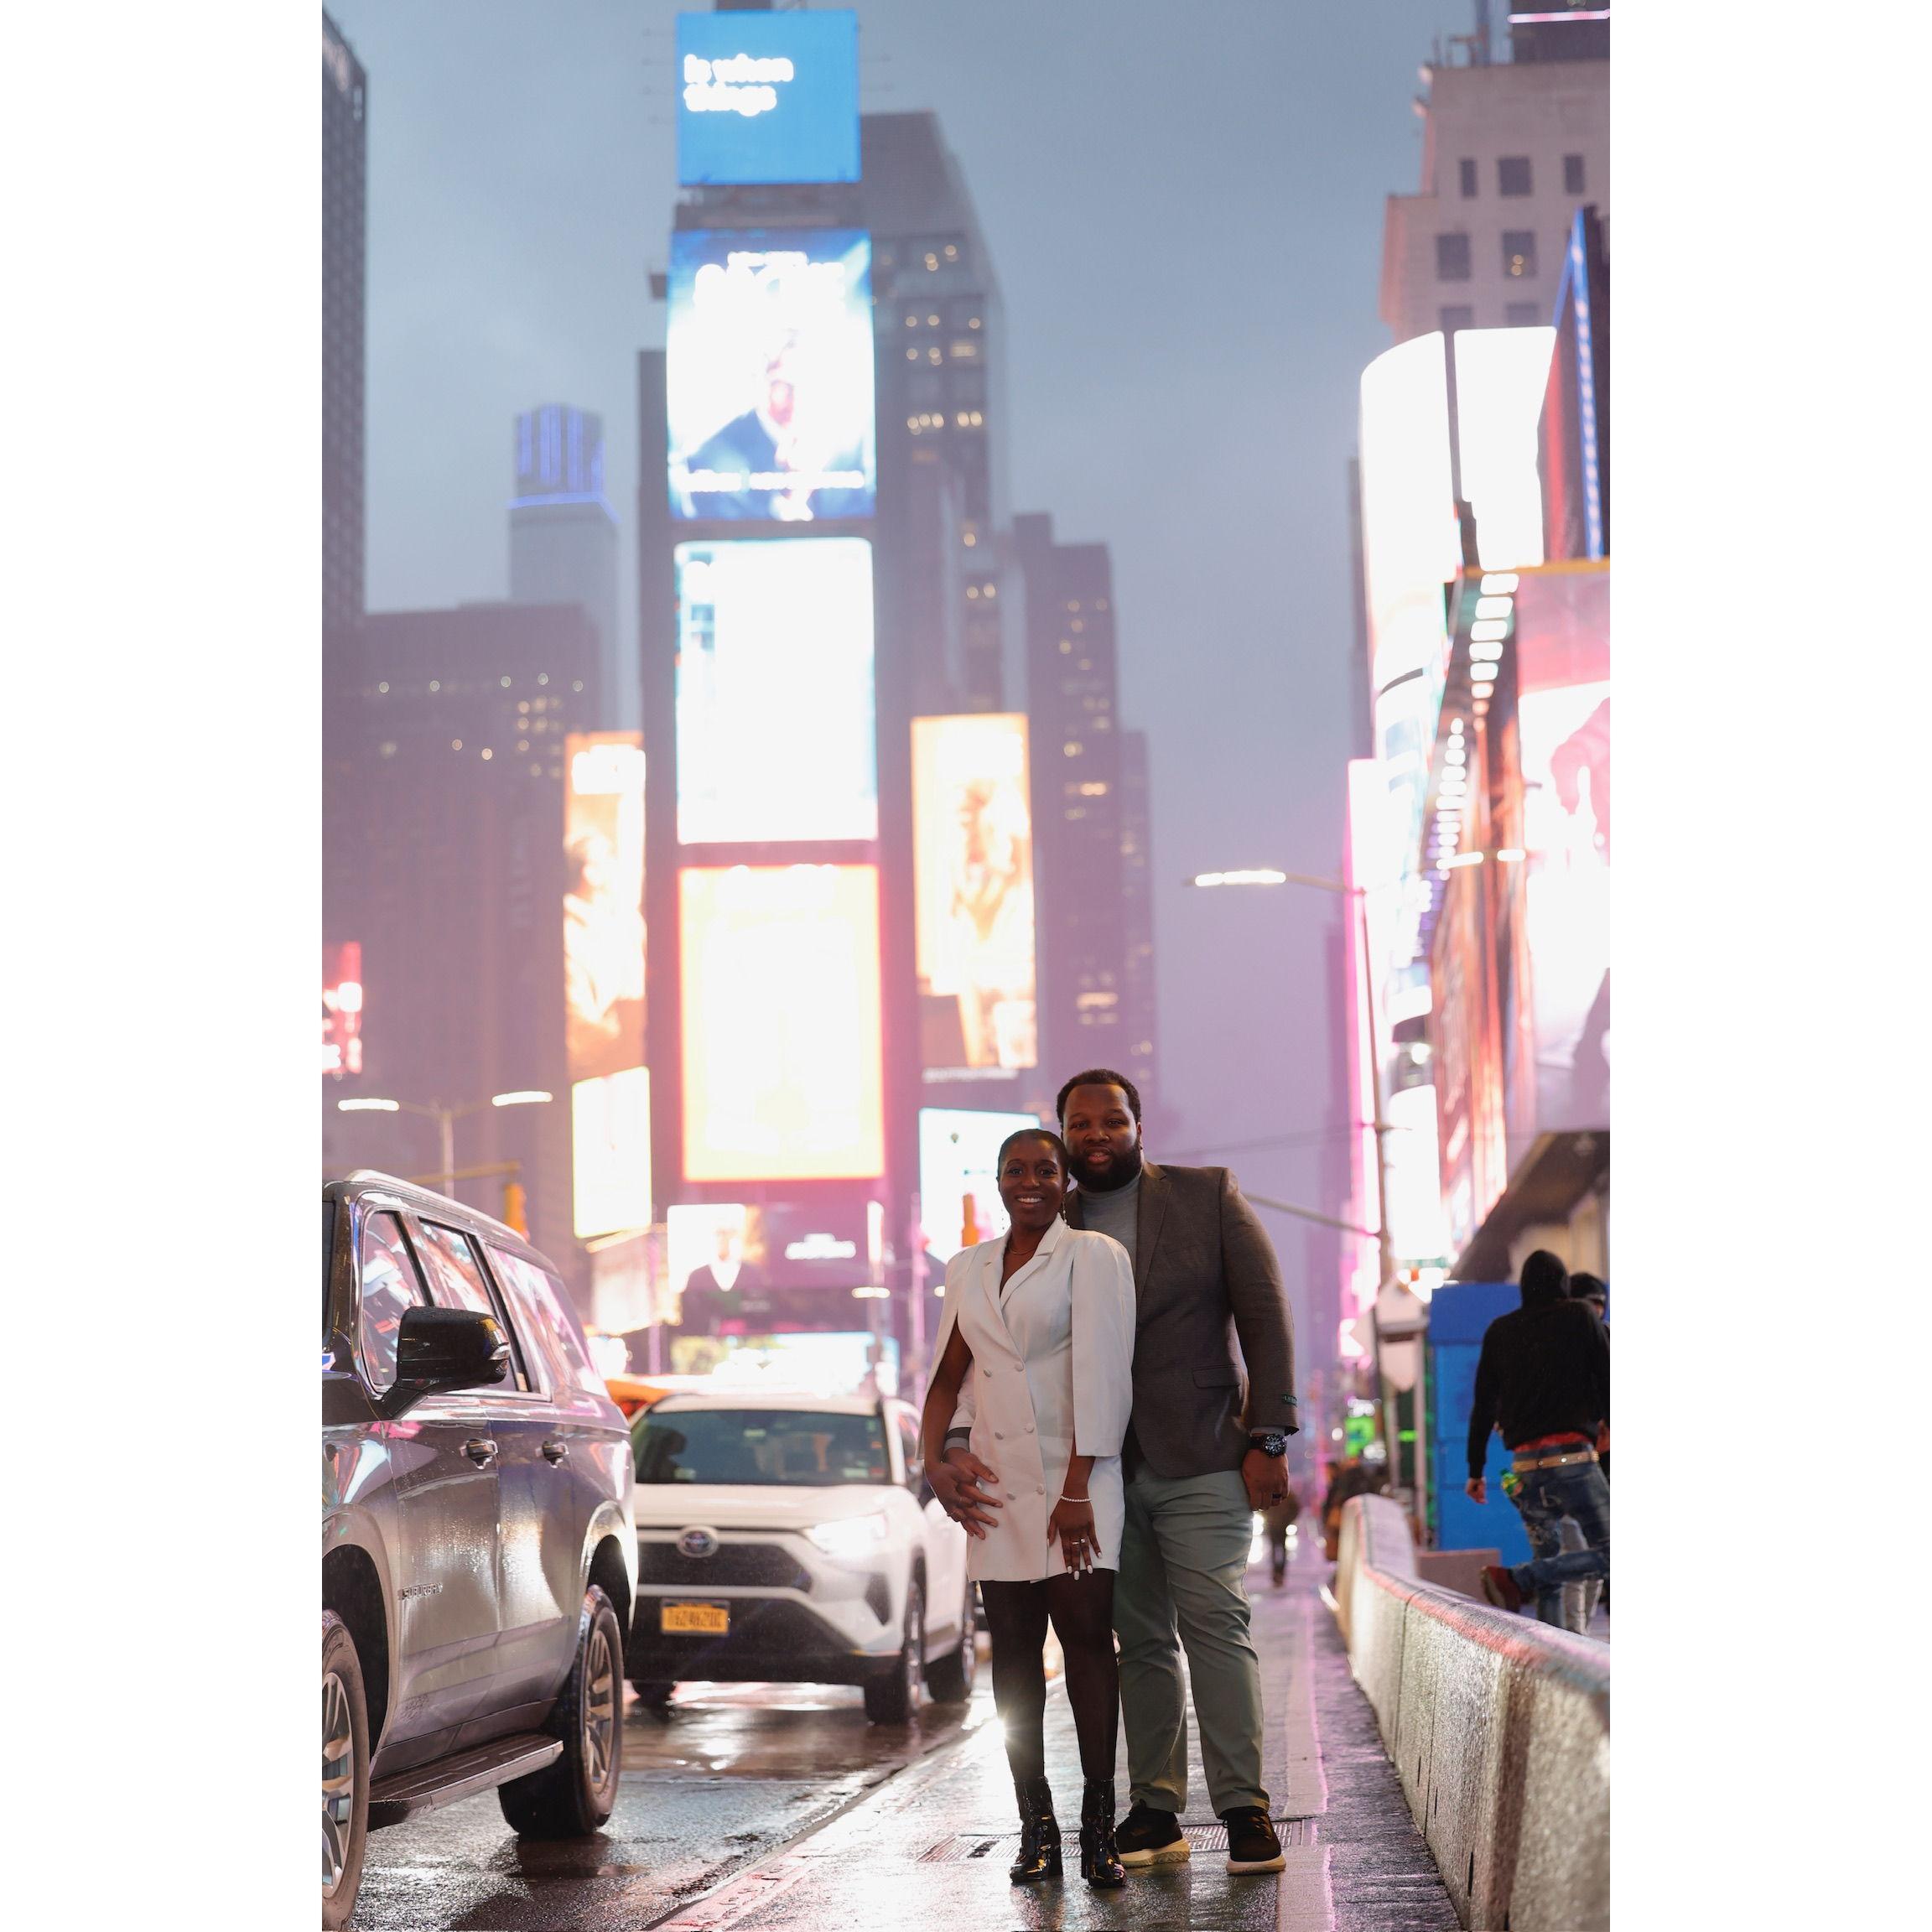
[(1046, 1134)]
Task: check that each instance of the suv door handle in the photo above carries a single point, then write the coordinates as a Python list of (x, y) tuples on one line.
[(556, 1450), (481, 1450)]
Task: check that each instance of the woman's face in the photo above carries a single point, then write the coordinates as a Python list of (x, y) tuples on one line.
[(1033, 1183)]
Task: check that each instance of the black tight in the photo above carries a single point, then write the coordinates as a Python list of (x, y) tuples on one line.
[(1082, 1609)]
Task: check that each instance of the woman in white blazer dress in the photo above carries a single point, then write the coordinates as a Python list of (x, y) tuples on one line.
[(1036, 1357)]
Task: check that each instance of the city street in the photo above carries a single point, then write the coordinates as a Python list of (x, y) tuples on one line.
[(772, 1806)]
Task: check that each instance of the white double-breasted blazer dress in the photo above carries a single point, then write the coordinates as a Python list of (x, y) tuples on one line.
[(1052, 1369)]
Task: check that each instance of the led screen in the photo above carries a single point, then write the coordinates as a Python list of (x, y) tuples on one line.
[(773, 691), (1500, 378), (973, 893), (768, 374), (958, 1188), (1410, 547), (610, 1153), (342, 1008), (767, 97), (603, 903), (728, 1254), (1563, 723), (781, 1022)]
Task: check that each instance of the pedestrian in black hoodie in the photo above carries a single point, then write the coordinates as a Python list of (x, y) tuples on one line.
[(1544, 1379)]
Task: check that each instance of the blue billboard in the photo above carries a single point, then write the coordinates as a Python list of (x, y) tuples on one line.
[(768, 374), (765, 97)]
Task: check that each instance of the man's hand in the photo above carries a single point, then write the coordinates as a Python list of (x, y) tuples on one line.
[(1477, 1489), (956, 1482), (1266, 1477)]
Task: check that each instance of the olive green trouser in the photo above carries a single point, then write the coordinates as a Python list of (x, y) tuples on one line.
[(1179, 1587)]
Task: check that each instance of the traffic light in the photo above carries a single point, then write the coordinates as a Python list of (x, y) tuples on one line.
[(515, 1213)]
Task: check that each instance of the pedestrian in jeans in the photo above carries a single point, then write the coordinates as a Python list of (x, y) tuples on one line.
[(1544, 1379)]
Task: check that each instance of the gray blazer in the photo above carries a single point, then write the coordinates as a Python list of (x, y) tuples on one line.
[(1211, 1303)]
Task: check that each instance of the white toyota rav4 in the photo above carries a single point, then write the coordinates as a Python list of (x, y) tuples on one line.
[(793, 1538)]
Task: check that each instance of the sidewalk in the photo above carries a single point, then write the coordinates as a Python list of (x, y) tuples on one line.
[(933, 1844)]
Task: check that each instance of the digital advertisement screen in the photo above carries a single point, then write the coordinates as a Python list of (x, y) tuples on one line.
[(604, 1013), (973, 893), (1563, 720), (768, 374), (767, 97), (781, 1022), (959, 1198), (610, 1153), (342, 1008), (1500, 378), (773, 691), (727, 1249), (1410, 544)]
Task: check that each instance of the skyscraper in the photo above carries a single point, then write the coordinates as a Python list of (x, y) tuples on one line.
[(344, 196), (1073, 699), (563, 540), (1137, 1010), (1510, 151)]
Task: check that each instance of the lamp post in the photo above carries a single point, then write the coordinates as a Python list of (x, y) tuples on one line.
[(445, 1119)]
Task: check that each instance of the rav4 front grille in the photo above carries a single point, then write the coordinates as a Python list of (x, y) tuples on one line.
[(751, 1565)]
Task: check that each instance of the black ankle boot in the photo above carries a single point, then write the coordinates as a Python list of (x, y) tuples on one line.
[(1100, 1862), (1038, 1833)]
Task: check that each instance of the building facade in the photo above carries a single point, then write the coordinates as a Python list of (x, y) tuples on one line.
[(345, 254), (563, 540), (444, 736)]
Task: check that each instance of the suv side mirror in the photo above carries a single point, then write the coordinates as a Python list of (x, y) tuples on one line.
[(443, 1349)]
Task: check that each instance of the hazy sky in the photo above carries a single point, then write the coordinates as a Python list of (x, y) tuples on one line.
[(1184, 207)]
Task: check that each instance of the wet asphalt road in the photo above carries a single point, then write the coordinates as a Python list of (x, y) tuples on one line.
[(728, 1774)]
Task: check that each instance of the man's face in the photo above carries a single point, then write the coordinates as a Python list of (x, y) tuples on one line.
[(1103, 1136)]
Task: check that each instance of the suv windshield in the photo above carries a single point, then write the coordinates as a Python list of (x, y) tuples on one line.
[(764, 1445)]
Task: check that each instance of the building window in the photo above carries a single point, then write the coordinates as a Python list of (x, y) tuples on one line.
[(1468, 171), (1452, 258), (1512, 175), (1519, 254), (1522, 315), (1573, 174), (1457, 315)]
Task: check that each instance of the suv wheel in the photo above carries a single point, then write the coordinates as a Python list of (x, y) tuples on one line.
[(950, 1678), (575, 1796), (344, 1773), (892, 1700)]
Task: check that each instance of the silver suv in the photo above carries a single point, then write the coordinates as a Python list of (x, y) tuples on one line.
[(479, 1553)]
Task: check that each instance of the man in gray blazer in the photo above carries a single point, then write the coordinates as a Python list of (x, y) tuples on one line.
[(1205, 1449)]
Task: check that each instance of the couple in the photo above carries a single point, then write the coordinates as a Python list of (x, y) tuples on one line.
[(1086, 1423)]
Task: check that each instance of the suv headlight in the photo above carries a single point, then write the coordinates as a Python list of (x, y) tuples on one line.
[(850, 1535)]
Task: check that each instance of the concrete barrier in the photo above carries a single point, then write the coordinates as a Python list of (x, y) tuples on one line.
[(1499, 1727)]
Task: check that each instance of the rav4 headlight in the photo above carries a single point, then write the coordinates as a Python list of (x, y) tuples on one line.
[(850, 1535)]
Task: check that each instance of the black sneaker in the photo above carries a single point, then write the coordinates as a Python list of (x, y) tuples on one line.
[(1252, 1845), (1150, 1837)]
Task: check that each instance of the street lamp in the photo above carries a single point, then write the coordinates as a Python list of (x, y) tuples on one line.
[(445, 1119)]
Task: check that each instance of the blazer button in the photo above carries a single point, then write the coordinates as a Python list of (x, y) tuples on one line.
[(998, 1435), (1041, 1490), (1029, 1428), (986, 1371), (1009, 1496)]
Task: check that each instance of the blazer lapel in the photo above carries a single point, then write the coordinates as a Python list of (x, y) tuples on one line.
[(1048, 1241), (1149, 1212)]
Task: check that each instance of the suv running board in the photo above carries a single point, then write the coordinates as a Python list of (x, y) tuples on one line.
[(403, 1793)]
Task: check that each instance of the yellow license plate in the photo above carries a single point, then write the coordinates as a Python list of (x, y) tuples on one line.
[(695, 1619)]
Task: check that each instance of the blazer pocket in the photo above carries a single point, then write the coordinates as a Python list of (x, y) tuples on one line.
[(1216, 1378)]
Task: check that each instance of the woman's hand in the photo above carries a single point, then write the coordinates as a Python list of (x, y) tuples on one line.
[(1072, 1523)]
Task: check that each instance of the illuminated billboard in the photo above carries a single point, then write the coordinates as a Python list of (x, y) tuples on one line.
[(973, 893), (959, 1198), (1563, 726), (610, 1153), (767, 97), (1501, 375), (775, 692), (603, 1016), (768, 374), (1411, 545), (342, 1008), (781, 1022), (727, 1255)]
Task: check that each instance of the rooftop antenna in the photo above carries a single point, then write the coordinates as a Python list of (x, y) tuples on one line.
[(1481, 33)]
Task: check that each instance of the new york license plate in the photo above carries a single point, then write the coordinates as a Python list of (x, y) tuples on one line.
[(695, 1619)]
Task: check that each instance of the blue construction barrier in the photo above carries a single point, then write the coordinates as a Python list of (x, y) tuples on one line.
[(1458, 1315)]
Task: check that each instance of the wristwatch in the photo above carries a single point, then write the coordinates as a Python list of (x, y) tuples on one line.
[(1270, 1442)]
